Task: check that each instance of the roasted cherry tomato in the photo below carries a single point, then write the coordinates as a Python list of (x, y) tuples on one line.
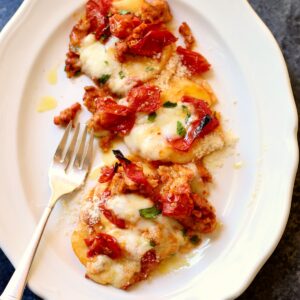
[(204, 124), (195, 62), (110, 216), (107, 173), (153, 42), (105, 244), (114, 117), (96, 14), (132, 171), (148, 261), (177, 205), (144, 98), (121, 26)]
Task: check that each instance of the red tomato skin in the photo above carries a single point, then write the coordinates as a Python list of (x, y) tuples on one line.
[(121, 26), (195, 130), (114, 117), (107, 173), (96, 13), (144, 98), (195, 62), (153, 42), (110, 216), (177, 205), (105, 244)]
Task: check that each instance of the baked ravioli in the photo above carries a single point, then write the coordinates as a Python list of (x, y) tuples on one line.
[(148, 91), (138, 215)]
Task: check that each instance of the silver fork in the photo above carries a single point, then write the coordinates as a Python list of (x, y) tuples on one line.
[(61, 183)]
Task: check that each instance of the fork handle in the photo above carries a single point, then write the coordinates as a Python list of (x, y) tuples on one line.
[(15, 288)]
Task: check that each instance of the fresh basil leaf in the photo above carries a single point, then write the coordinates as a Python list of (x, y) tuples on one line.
[(149, 69), (122, 74), (188, 113), (152, 116), (180, 129), (150, 212), (169, 104), (103, 79), (124, 12)]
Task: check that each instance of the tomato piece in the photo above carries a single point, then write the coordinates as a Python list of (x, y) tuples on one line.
[(114, 117), (153, 42), (105, 244), (204, 124), (96, 14), (144, 98), (148, 261), (107, 173), (132, 171), (121, 26), (195, 62), (177, 205), (111, 216)]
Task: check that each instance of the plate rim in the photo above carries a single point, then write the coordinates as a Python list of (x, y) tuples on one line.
[(21, 13)]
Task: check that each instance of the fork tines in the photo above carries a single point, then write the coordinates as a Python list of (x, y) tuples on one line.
[(83, 159)]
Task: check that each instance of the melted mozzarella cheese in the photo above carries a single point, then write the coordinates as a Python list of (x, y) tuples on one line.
[(95, 59), (132, 241), (98, 60), (149, 139), (127, 206), (100, 263)]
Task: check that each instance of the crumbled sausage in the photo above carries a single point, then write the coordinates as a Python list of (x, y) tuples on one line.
[(79, 31), (187, 35), (156, 11), (67, 115), (92, 94)]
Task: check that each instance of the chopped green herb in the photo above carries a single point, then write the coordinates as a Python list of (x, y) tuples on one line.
[(150, 212), (106, 62), (184, 232), (194, 239), (124, 12), (180, 129), (149, 69), (103, 37), (188, 113), (77, 73), (152, 243), (103, 79), (152, 116), (169, 104), (122, 74)]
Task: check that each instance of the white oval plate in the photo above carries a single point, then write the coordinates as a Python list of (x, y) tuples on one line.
[(253, 202)]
